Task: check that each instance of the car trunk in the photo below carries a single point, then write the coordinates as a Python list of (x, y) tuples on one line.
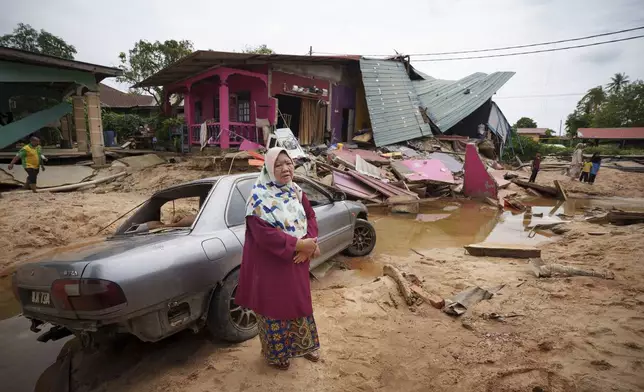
[(34, 281)]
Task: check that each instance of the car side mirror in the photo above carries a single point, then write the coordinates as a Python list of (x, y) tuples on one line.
[(339, 196)]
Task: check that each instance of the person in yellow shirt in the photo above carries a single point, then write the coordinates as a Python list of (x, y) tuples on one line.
[(32, 161), (585, 172)]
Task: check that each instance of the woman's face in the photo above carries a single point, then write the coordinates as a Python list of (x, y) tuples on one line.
[(283, 169)]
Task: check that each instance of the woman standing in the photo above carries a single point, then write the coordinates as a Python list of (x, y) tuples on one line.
[(577, 161), (281, 238)]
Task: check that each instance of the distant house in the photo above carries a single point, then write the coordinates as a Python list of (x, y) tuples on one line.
[(533, 133), (121, 102), (623, 135)]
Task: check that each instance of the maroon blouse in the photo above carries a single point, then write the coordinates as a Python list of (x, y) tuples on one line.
[(270, 283)]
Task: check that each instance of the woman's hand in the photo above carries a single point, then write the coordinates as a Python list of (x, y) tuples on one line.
[(307, 246)]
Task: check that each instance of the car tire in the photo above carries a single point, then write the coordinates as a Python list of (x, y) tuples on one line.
[(364, 239), (226, 320)]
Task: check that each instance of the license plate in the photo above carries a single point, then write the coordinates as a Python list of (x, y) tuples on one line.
[(40, 298)]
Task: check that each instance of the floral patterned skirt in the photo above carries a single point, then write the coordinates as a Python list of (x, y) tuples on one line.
[(285, 339)]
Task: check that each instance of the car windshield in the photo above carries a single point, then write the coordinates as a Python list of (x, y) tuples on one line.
[(175, 209)]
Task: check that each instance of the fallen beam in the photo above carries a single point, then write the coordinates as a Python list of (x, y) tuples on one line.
[(543, 189), (494, 250), (393, 272), (433, 300), (561, 190), (72, 187)]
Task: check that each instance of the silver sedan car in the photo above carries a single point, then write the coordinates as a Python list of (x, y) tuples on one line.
[(153, 279)]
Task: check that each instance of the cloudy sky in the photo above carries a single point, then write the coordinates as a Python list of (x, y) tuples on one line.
[(101, 30)]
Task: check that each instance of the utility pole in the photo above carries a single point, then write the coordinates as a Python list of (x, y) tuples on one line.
[(560, 122), (310, 50)]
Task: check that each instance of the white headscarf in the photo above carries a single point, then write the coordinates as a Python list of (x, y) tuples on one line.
[(278, 204)]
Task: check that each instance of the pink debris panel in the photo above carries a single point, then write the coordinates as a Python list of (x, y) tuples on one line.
[(478, 182), (428, 170), (367, 155)]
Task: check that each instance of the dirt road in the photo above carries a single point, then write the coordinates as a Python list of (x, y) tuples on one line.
[(568, 334)]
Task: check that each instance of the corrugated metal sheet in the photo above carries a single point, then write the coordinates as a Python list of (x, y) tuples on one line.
[(392, 102), (450, 101), (611, 133)]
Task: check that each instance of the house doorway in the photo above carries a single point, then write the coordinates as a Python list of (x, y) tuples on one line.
[(290, 107), (348, 119)]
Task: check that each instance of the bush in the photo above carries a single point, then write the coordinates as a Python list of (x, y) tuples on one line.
[(125, 125)]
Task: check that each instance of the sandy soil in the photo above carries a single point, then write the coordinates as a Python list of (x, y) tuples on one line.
[(609, 182), (568, 334)]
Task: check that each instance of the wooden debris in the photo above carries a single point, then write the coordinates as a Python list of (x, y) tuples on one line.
[(434, 300), (494, 250), (561, 190), (409, 204), (548, 190), (542, 270), (393, 272)]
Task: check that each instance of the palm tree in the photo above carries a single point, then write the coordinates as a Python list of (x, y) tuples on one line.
[(592, 100), (618, 81)]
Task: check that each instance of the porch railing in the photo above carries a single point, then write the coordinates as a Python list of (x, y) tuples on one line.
[(235, 134)]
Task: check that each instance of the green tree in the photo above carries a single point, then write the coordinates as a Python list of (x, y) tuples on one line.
[(525, 122), (260, 49), (623, 108), (617, 82), (27, 38), (148, 58), (576, 120), (592, 101)]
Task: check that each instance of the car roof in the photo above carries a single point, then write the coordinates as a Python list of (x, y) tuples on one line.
[(205, 181)]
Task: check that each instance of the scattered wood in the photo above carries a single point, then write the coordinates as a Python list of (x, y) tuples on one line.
[(393, 272), (533, 192), (403, 203), (434, 300), (72, 187), (548, 190), (396, 202), (561, 190), (493, 250), (542, 270)]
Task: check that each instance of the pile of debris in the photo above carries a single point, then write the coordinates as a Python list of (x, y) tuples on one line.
[(403, 176)]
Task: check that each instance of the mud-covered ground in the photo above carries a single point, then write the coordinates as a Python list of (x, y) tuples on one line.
[(559, 334)]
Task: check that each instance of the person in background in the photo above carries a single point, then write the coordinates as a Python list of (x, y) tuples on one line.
[(281, 239), (32, 161), (596, 162), (536, 164), (577, 161), (585, 172)]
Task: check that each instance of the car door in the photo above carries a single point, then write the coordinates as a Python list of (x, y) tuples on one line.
[(335, 231)]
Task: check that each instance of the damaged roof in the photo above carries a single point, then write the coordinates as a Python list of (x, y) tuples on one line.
[(392, 102), (202, 60), (114, 98), (450, 101)]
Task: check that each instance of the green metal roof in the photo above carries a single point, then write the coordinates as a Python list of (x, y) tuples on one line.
[(450, 101), (392, 102)]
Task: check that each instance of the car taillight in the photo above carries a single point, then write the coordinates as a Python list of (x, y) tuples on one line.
[(87, 294)]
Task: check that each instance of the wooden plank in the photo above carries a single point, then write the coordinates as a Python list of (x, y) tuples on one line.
[(561, 190), (549, 190), (500, 250), (431, 299)]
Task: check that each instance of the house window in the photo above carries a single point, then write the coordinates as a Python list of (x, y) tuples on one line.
[(243, 107)]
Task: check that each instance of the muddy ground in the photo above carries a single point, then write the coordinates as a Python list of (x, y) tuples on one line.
[(565, 334)]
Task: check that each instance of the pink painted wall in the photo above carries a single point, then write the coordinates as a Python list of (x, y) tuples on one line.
[(207, 91), (279, 78), (478, 182)]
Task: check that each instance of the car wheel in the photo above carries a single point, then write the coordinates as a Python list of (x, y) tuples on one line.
[(364, 239), (227, 320)]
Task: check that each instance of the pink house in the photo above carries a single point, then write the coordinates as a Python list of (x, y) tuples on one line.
[(314, 96)]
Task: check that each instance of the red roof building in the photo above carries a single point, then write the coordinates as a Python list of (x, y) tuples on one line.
[(611, 133)]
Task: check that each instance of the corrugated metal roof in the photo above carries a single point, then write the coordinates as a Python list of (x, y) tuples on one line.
[(532, 131), (202, 60), (450, 101), (392, 102), (611, 133)]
